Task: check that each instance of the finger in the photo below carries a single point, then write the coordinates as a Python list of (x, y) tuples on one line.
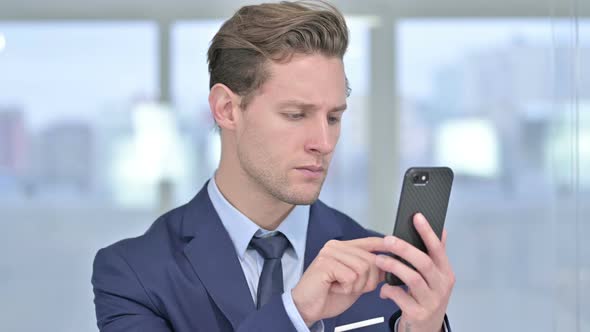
[(415, 282), (418, 259), (435, 248), (352, 259), (398, 295), (444, 238), (375, 275), (340, 276), (370, 244), (364, 248)]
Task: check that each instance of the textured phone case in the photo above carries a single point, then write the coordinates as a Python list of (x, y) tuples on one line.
[(430, 199)]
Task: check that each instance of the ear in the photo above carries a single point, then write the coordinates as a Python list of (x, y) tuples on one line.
[(224, 105)]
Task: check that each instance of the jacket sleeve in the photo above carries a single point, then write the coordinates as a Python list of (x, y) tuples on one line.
[(393, 320), (121, 302)]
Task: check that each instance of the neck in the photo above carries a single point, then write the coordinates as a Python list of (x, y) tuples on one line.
[(251, 199)]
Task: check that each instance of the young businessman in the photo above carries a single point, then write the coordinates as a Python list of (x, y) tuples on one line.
[(256, 250)]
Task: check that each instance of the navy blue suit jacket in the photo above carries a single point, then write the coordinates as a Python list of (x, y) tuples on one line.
[(183, 275)]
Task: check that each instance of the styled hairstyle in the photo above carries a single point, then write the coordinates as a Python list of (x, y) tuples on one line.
[(242, 48)]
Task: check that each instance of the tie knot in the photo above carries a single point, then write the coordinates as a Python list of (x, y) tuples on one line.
[(270, 247)]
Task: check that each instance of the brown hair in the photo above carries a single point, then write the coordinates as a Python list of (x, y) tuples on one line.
[(266, 32)]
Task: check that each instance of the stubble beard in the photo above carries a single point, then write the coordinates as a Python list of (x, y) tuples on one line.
[(277, 185)]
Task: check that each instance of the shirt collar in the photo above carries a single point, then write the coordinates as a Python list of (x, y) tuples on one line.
[(241, 229)]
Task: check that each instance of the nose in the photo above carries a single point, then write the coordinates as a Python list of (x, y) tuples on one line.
[(322, 137)]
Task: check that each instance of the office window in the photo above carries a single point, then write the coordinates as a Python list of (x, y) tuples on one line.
[(505, 104), (68, 91), (190, 92)]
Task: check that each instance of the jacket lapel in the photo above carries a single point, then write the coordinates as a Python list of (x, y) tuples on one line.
[(323, 227), (214, 259)]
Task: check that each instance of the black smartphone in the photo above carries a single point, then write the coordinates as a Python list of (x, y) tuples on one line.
[(426, 190)]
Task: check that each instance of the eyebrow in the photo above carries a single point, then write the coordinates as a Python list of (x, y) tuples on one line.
[(307, 106)]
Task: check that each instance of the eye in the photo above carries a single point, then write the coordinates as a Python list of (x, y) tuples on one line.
[(333, 119), (294, 116)]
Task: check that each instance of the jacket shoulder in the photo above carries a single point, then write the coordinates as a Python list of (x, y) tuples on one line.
[(162, 234)]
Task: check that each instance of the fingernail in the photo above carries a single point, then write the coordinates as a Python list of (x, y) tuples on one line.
[(420, 218), (389, 240)]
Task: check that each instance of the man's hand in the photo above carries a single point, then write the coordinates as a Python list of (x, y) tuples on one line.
[(337, 277), (424, 305)]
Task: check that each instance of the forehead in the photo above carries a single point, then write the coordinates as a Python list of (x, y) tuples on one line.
[(314, 78)]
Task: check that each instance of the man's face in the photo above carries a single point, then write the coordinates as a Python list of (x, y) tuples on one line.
[(286, 135)]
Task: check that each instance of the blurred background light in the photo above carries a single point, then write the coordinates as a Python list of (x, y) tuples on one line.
[(2, 42), (469, 146)]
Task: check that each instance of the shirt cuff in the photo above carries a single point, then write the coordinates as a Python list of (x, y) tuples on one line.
[(397, 324), (296, 318)]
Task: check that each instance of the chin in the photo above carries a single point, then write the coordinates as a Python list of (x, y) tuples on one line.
[(301, 200), (304, 196)]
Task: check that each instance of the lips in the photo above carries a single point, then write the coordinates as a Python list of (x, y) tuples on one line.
[(311, 172), (312, 168)]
